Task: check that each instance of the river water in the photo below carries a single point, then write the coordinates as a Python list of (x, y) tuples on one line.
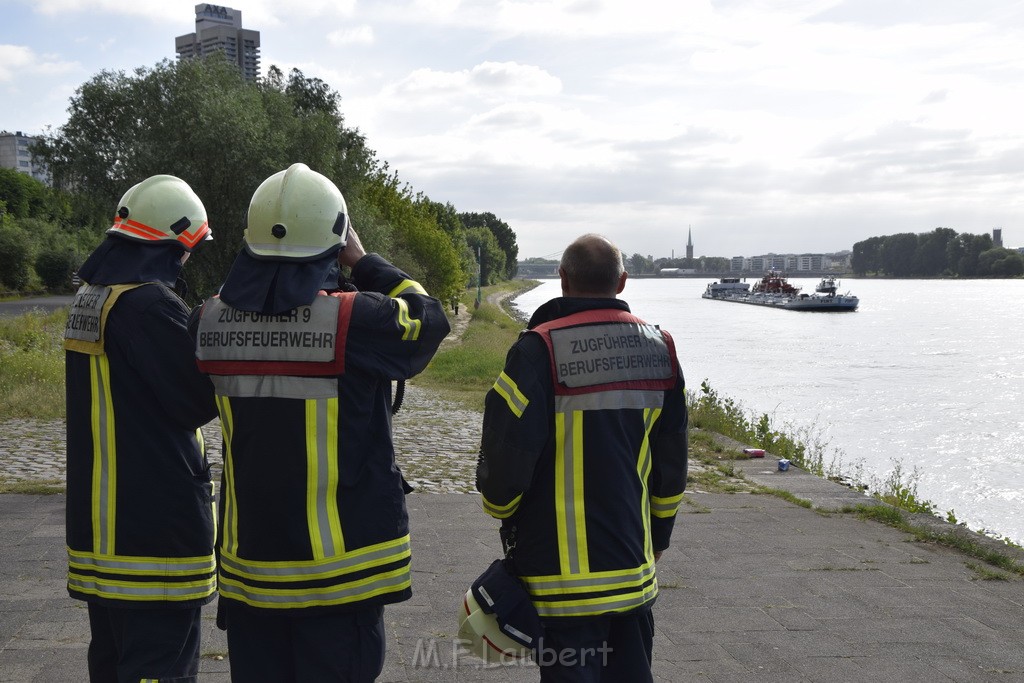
[(926, 374)]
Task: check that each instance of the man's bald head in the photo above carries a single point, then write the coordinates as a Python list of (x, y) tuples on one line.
[(592, 267)]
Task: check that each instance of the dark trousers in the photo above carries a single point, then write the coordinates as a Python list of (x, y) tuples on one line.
[(143, 644), (612, 649), (279, 646)]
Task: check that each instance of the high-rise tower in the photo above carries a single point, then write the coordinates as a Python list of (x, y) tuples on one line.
[(219, 29), (689, 243)]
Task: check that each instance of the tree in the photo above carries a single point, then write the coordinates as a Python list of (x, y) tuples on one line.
[(200, 121), (866, 256), (492, 259), (897, 254), (930, 258), (504, 236), (999, 262), (969, 248)]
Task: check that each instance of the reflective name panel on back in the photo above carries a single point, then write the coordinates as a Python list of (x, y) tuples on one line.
[(84, 316), (304, 334), (591, 355)]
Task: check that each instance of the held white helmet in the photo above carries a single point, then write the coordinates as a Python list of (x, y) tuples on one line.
[(483, 636), (296, 214), (162, 209)]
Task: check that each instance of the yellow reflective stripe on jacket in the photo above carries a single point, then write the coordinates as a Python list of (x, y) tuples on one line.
[(501, 511), (407, 287), (540, 586), (104, 458), (144, 591), (378, 555), (665, 507), (619, 602), (393, 581), (124, 577), (229, 541), (643, 470), (410, 325), (322, 478), (508, 390), (570, 510), (142, 566)]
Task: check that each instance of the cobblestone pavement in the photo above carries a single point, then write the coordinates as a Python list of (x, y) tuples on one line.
[(435, 440)]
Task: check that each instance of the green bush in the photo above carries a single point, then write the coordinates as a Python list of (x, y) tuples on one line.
[(55, 267), (15, 258)]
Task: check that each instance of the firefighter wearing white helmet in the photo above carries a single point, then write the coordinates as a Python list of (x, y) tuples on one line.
[(296, 214), (303, 375), (140, 500), (161, 209)]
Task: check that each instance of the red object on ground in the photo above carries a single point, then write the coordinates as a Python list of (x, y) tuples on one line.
[(754, 452)]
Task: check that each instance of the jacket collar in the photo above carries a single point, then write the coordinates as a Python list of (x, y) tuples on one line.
[(567, 305), (118, 260)]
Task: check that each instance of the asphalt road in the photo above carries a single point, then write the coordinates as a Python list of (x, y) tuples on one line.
[(45, 303)]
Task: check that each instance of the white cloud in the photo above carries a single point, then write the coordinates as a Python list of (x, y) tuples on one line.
[(21, 62), (351, 36)]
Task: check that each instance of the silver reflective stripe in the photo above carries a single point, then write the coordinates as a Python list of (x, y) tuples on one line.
[(589, 355), (568, 584), (324, 485), (665, 508), (565, 499), (407, 287), (151, 565), (103, 458), (297, 597), (143, 590), (508, 389), (281, 571), (229, 542), (275, 386), (599, 606), (610, 400)]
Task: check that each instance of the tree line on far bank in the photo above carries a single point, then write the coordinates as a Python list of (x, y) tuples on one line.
[(939, 253), (201, 121)]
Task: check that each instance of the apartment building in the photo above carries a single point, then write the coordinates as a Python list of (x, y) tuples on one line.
[(219, 29)]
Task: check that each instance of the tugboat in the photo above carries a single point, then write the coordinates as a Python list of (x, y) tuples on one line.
[(828, 285), (774, 290)]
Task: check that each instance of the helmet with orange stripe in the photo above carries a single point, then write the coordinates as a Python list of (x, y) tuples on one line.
[(159, 210)]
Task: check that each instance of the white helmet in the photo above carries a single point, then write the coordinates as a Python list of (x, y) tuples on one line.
[(296, 214), (161, 209), (484, 637)]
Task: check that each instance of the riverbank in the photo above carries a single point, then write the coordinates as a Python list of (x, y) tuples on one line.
[(772, 576)]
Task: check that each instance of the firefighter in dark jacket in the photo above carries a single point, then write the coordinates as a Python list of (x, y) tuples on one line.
[(583, 458), (314, 530), (140, 518)]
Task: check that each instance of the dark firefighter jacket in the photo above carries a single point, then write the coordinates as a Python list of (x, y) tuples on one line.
[(140, 517), (313, 512), (584, 456)]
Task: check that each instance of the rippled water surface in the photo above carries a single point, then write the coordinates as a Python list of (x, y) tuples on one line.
[(927, 373)]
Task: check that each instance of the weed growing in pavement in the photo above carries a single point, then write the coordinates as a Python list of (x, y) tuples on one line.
[(965, 543)]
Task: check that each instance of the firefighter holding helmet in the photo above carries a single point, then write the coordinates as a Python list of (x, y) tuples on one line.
[(140, 525), (314, 529)]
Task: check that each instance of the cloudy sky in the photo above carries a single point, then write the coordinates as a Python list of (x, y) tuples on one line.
[(764, 125)]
